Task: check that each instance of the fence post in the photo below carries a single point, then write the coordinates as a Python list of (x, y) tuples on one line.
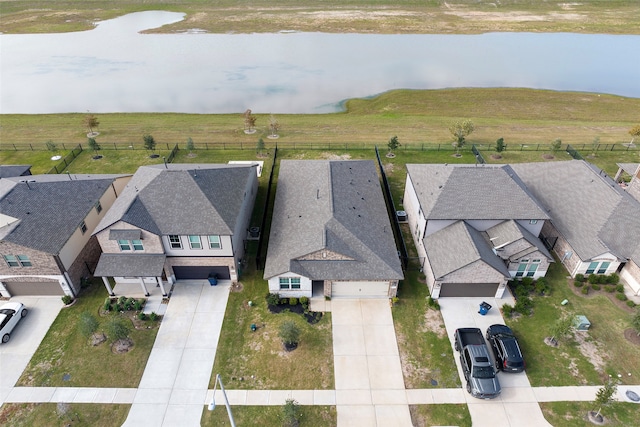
[(63, 147), (31, 147), (612, 145), (241, 145), (14, 147)]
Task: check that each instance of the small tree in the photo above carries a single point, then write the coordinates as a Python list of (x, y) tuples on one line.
[(249, 121), (260, 146), (460, 130), (635, 321), (117, 329), (149, 142), (88, 324), (291, 414), (93, 144), (290, 334), (556, 145), (51, 146), (393, 143), (91, 122), (500, 145), (274, 126), (605, 396), (190, 145), (561, 328), (634, 132)]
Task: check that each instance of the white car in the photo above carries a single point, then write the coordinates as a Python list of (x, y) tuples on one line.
[(10, 315)]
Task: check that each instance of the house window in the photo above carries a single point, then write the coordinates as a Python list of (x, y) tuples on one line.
[(603, 267), (531, 271), (24, 261), (289, 283), (124, 245), (592, 267), (194, 242), (175, 242), (83, 227), (137, 245), (533, 221), (214, 242), (11, 261), (98, 207), (521, 269)]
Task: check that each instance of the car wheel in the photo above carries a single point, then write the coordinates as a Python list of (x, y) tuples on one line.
[(468, 388), (24, 312), (5, 337)]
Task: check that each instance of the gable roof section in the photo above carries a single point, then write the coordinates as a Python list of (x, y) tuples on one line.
[(182, 199), (333, 205), (509, 231), (569, 190), (49, 208), (7, 171), (466, 192), (457, 246)]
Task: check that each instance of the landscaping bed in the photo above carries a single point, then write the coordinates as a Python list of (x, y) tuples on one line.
[(293, 305)]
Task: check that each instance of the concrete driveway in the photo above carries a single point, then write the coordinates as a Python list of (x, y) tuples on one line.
[(25, 339), (517, 406)]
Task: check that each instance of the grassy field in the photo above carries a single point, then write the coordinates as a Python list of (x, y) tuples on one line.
[(350, 16), (574, 414), (268, 416), (440, 415), (66, 359), (67, 414), (417, 117)]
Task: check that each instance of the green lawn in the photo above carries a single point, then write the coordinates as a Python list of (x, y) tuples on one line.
[(566, 365), (67, 414), (440, 415), (574, 414), (65, 358), (40, 161), (268, 416)]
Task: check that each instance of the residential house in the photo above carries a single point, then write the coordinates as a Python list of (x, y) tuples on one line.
[(330, 232), (46, 226), (475, 228), (595, 224), (178, 221)]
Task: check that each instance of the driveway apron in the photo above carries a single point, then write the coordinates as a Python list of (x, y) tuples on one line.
[(174, 384), (517, 406), (368, 375)]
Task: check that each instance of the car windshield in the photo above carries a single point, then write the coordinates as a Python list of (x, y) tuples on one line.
[(483, 372)]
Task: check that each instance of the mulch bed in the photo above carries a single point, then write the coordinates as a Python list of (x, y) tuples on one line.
[(592, 293), (311, 317)]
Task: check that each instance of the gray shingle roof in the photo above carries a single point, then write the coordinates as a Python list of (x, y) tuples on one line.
[(7, 171), (134, 265), (124, 234), (467, 192), (459, 245), (333, 205), (510, 231), (587, 207), (49, 207), (182, 199)]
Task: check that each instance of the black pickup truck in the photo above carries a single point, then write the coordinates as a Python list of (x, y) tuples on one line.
[(476, 363)]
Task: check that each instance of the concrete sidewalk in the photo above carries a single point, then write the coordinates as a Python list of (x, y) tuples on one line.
[(368, 374), (175, 381)]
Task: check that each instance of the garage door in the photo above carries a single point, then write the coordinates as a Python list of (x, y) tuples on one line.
[(200, 272), (33, 288), (468, 289), (360, 289)]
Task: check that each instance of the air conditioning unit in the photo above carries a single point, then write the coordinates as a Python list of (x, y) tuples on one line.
[(402, 216)]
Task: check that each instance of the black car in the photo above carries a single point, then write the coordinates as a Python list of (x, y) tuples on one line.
[(505, 348)]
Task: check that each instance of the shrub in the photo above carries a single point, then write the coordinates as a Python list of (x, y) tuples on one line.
[(595, 287), (579, 278), (304, 301), (122, 300), (585, 290), (153, 316), (284, 301), (611, 289), (542, 288), (88, 324), (614, 279), (142, 316), (577, 284), (619, 288), (521, 291), (115, 307), (631, 303), (593, 278), (523, 305), (293, 301), (289, 333), (602, 279), (527, 282), (291, 414), (273, 299), (137, 305), (67, 299), (117, 329), (507, 310), (621, 297)]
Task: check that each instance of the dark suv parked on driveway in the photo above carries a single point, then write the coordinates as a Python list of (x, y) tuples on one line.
[(505, 348)]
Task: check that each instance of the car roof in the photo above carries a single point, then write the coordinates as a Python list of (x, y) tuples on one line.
[(11, 305), (500, 329)]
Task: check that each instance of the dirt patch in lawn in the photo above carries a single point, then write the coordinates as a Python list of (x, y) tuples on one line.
[(590, 350), (122, 346), (632, 336), (433, 323), (333, 156)]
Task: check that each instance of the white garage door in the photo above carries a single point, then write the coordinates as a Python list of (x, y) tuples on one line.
[(360, 289)]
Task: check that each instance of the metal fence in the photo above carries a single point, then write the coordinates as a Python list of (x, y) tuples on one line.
[(261, 253), (479, 158), (66, 160), (574, 153)]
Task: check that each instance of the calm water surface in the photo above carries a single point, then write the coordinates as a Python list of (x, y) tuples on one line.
[(114, 68)]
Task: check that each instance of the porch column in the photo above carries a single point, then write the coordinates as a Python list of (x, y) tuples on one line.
[(144, 288), (159, 279), (107, 285)]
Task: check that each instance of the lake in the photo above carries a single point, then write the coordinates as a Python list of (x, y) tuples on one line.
[(114, 68)]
